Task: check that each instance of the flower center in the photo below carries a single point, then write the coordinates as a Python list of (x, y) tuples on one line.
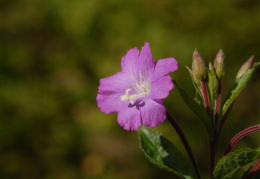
[(142, 89)]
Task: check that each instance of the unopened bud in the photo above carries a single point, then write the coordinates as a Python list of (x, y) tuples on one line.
[(195, 79), (198, 66), (245, 67), (219, 64)]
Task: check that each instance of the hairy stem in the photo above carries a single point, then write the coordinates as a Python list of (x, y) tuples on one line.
[(185, 143), (240, 135)]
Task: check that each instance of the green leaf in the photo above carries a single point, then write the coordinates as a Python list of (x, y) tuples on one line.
[(237, 88), (163, 153), (199, 110), (230, 163)]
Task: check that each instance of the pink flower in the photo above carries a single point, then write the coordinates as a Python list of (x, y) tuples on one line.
[(136, 92)]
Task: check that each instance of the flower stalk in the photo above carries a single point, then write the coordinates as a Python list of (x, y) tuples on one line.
[(185, 143)]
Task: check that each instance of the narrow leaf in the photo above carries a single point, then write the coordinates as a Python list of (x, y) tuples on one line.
[(229, 164), (198, 110), (237, 88), (161, 152), (212, 84)]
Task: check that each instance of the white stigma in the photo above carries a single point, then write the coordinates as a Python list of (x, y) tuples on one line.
[(142, 88)]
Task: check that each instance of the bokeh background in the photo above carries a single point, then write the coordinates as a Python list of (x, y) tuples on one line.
[(53, 53)]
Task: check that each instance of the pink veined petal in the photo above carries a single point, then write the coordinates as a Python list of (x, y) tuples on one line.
[(153, 113), (129, 117), (161, 87), (129, 62), (164, 66), (110, 91), (146, 61)]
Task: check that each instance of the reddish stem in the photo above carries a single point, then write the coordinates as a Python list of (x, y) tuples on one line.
[(254, 170), (205, 97), (240, 135), (212, 144), (185, 143)]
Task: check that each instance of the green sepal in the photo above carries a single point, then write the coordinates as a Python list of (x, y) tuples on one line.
[(161, 152), (199, 111), (237, 88), (199, 96), (229, 164)]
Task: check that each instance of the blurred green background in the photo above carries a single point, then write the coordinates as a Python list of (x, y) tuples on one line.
[(53, 53)]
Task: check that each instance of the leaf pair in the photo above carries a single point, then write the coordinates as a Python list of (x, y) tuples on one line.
[(161, 152)]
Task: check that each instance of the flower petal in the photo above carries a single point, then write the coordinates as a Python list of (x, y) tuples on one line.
[(129, 117), (161, 87), (153, 113), (110, 91), (134, 63), (146, 61), (129, 62), (164, 66)]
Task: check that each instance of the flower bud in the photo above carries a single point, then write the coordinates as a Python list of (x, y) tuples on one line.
[(245, 67), (219, 64), (198, 66), (196, 81)]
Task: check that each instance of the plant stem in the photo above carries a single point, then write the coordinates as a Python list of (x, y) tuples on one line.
[(223, 120), (212, 156), (212, 143), (253, 170), (185, 143), (240, 135)]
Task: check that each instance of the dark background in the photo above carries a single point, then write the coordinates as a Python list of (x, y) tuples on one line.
[(53, 53)]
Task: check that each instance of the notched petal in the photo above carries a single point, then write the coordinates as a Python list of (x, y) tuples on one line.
[(129, 62), (161, 87)]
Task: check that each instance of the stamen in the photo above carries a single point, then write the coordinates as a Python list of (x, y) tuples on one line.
[(125, 97), (142, 89)]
